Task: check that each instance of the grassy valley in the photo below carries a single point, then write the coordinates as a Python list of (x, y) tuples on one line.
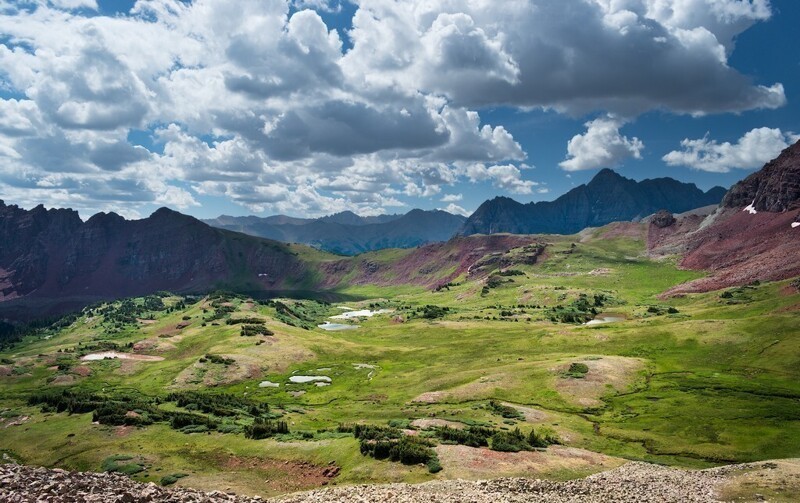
[(478, 373)]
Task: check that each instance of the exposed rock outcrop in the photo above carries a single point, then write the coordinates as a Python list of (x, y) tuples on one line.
[(774, 188), (663, 219), (751, 236)]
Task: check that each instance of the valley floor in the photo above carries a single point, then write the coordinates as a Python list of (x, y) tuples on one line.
[(226, 392)]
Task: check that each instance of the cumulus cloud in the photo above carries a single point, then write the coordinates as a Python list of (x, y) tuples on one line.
[(752, 150), (456, 210), (262, 104), (627, 57), (452, 198), (601, 146), (507, 177)]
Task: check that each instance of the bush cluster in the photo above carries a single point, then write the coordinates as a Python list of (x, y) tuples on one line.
[(473, 436), (221, 360), (265, 428), (505, 411), (577, 371), (515, 441), (430, 312)]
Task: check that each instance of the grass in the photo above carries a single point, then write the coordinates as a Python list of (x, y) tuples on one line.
[(716, 382)]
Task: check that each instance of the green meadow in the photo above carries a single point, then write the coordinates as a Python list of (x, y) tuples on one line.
[(696, 381)]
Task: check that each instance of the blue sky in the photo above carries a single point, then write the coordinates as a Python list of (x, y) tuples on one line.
[(313, 107)]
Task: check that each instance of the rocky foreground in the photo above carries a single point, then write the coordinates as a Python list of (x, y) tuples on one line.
[(633, 482)]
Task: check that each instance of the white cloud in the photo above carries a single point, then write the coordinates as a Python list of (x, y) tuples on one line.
[(323, 5), (601, 146), (627, 57), (452, 198), (74, 4), (261, 103), (752, 150), (507, 177), (456, 210)]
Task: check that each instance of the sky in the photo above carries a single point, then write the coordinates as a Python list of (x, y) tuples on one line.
[(311, 107)]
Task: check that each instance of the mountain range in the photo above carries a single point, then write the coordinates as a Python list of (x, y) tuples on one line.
[(53, 256), (346, 233), (51, 261), (607, 198)]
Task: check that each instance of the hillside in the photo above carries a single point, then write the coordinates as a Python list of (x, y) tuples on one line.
[(260, 397), (349, 234), (607, 198), (752, 236), (53, 256), (431, 265)]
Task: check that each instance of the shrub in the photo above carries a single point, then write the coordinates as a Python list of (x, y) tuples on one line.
[(181, 420), (168, 480), (434, 466), (265, 428), (116, 464), (505, 411), (217, 359), (542, 439), (510, 441), (474, 436), (430, 312), (577, 371), (253, 330), (411, 451), (373, 432)]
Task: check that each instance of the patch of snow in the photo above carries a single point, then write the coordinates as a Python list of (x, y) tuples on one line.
[(795, 224), (336, 326), (268, 384), (365, 313), (121, 356), (750, 208), (600, 320), (307, 379)]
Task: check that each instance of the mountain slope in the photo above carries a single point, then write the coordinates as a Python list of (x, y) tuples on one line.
[(753, 235), (53, 254), (348, 234), (609, 197)]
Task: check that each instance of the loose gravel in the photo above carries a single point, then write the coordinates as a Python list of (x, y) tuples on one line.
[(632, 482)]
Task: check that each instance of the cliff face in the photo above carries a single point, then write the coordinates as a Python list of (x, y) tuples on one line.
[(608, 198), (52, 253), (775, 188)]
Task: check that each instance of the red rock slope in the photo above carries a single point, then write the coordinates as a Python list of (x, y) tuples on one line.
[(753, 235)]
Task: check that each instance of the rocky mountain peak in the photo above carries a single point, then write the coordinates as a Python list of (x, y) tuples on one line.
[(608, 197), (774, 188)]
